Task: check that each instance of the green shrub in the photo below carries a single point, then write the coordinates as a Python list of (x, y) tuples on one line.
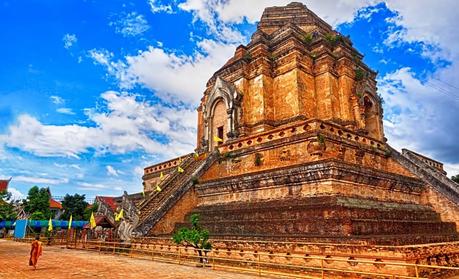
[(195, 237), (307, 39), (247, 56), (332, 39), (359, 74), (258, 159), (321, 139)]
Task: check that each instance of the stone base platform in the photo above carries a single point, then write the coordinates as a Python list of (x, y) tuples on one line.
[(329, 219), (304, 256)]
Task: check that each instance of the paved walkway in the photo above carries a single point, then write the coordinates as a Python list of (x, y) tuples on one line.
[(59, 262)]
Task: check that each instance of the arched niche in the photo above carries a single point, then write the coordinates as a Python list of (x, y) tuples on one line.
[(221, 112), (371, 115), (218, 122)]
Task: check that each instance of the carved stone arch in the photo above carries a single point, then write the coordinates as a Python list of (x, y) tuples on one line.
[(227, 93)]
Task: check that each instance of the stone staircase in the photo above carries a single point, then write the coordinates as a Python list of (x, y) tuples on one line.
[(428, 174), (173, 188)]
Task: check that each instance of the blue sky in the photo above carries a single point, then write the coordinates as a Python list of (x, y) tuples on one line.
[(93, 91)]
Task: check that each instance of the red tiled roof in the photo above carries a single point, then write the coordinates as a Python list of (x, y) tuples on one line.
[(100, 220), (110, 201), (4, 184), (54, 204)]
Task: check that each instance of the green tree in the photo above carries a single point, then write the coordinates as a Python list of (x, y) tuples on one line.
[(7, 211), (195, 236), (455, 178), (89, 210), (74, 205), (38, 215), (38, 200)]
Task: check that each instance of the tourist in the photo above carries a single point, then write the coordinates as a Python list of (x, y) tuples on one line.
[(35, 252)]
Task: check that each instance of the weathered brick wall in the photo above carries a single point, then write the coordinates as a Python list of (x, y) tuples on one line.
[(285, 153), (448, 210), (176, 215)]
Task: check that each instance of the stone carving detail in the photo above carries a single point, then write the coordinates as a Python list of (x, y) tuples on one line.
[(285, 155), (316, 148), (130, 219), (227, 92)]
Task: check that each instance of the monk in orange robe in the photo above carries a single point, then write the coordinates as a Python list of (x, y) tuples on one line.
[(35, 252)]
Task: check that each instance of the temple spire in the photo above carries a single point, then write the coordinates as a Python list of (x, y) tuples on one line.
[(295, 13)]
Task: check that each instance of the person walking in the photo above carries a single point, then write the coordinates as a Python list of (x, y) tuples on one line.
[(35, 252)]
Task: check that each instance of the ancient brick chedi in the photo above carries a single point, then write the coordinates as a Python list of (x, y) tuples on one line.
[(303, 154)]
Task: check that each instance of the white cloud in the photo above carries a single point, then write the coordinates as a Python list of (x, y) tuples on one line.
[(101, 56), (139, 170), (92, 186), (427, 21), (41, 180), (420, 116), (125, 124), (235, 11), (75, 166), (172, 76), (112, 171), (451, 169), (57, 100), (130, 25), (69, 40), (98, 186), (68, 111), (31, 135), (157, 7), (15, 194)]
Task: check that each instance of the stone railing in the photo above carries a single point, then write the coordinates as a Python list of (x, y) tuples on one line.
[(130, 218), (187, 161), (162, 202), (165, 165), (439, 181), (310, 126)]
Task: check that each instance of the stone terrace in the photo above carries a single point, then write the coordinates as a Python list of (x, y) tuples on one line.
[(63, 263)]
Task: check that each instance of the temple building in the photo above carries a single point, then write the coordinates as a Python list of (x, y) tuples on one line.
[(291, 147)]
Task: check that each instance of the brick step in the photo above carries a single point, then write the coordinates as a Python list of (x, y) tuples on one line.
[(319, 207), (329, 226), (335, 217), (304, 212), (401, 239), (168, 189), (173, 189)]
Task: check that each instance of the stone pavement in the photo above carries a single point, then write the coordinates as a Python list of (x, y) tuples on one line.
[(59, 262)]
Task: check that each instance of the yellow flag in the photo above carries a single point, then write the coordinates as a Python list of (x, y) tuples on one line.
[(50, 224), (92, 221), (116, 217), (121, 214), (217, 139), (158, 189), (70, 221), (196, 155), (180, 170), (161, 176)]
